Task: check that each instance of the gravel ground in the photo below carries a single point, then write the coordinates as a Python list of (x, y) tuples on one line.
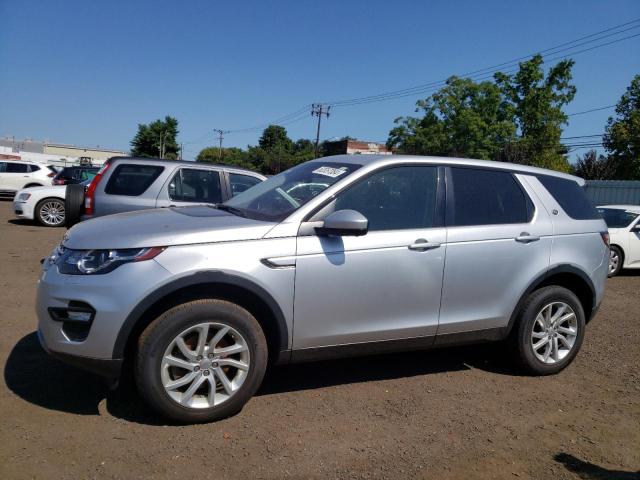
[(445, 414)]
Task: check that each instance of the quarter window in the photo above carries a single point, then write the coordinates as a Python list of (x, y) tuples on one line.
[(132, 179), (395, 198), (487, 197), (240, 183), (571, 197), (200, 186)]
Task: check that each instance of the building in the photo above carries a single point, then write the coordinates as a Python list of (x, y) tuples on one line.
[(356, 147), (54, 153)]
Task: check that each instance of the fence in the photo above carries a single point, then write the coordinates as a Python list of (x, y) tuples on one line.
[(613, 192)]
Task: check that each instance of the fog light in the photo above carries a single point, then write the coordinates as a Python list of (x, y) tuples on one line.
[(78, 316)]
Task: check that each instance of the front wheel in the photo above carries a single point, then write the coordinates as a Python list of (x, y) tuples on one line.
[(201, 361), (549, 331), (50, 212)]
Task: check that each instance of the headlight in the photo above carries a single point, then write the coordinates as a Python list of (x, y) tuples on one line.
[(23, 197), (95, 262)]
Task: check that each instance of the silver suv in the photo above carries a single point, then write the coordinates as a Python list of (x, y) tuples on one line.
[(339, 256), (124, 184)]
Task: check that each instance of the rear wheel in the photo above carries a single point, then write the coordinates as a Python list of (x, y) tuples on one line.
[(73, 203), (616, 258), (50, 212), (201, 361), (549, 331)]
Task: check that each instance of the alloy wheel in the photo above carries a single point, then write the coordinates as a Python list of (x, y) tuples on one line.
[(205, 365), (554, 332), (52, 213), (614, 261)]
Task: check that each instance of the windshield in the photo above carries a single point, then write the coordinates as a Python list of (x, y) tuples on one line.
[(617, 218), (279, 196)]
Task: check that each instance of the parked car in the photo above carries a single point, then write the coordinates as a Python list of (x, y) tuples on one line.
[(43, 204), (17, 174), (382, 253), (71, 175), (624, 230), (124, 184)]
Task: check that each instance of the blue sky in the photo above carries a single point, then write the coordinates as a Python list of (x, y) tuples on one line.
[(87, 72)]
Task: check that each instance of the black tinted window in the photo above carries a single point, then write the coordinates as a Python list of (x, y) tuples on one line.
[(240, 183), (395, 198), (34, 168), (17, 167), (570, 196), (202, 186), (617, 218), (487, 197), (132, 180)]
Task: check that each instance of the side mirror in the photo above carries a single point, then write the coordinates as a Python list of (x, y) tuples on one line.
[(344, 223)]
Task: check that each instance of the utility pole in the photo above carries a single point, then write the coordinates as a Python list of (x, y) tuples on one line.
[(221, 134), (180, 150), (318, 110)]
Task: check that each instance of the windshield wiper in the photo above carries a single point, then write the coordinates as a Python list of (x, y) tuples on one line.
[(235, 211)]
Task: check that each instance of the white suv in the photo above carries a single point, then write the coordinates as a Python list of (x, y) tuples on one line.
[(16, 175)]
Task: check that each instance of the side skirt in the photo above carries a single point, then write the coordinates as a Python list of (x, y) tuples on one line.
[(391, 346)]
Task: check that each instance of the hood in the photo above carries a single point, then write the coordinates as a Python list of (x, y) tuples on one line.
[(163, 227)]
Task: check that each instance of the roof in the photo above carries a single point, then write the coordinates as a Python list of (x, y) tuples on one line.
[(631, 208), (189, 163), (390, 159)]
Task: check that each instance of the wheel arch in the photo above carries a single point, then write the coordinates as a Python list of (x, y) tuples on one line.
[(33, 184), (201, 285), (567, 276)]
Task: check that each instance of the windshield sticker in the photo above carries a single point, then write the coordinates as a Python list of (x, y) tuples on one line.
[(330, 171)]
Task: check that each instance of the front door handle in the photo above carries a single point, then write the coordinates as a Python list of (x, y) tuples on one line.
[(422, 245), (526, 237)]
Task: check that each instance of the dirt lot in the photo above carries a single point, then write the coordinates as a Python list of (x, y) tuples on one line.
[(456, 413)]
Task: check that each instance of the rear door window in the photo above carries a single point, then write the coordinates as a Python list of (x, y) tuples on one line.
[(34, 168), (487, 197), (198, 186), (17, 167), (240, 183), (570, 196), (132, 179)]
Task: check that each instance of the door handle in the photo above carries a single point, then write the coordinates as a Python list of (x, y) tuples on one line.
[(422, 245), (526, 237)]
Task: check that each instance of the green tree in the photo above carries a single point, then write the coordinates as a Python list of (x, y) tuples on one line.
[(592, 166), (230, 156), (622, 134), (463, 119), (157, 139), (537, 100)]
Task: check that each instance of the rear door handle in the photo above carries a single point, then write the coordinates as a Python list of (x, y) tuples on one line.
[(526, 237), (422, 245)]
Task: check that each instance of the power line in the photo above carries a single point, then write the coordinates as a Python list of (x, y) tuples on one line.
[(480, 74), (221, 134), (591, 110)]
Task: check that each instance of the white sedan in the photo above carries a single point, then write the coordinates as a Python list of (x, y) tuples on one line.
[(624, 236), (43, 204)]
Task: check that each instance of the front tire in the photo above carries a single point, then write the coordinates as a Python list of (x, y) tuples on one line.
[(549, 330), (50, 212), (616, 259), (73, 204), (201, 361)]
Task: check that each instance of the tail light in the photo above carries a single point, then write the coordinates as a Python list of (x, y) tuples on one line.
[(57, 181), (89, 195), (605, 238), (51, 174)]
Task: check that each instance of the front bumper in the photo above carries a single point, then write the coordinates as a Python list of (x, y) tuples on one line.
[(22, 210), (112, 296)]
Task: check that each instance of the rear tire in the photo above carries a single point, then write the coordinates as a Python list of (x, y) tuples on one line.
[(549, 330), (50, 212), (73, 204), (616, 259), (180, 365)]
